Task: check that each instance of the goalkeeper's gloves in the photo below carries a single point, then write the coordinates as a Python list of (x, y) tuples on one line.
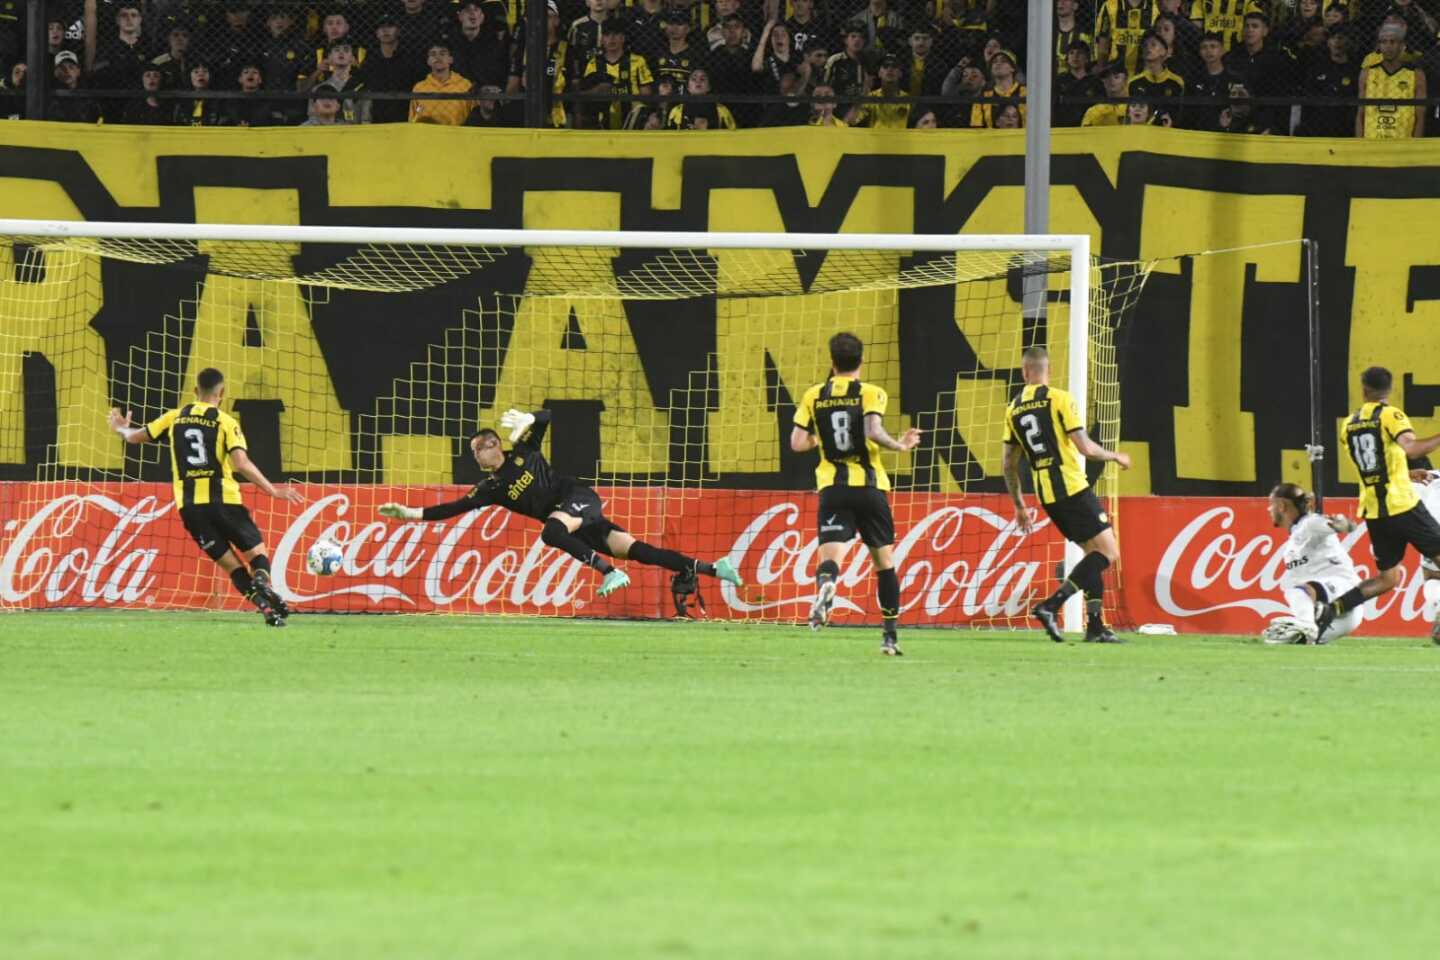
[(399, 511), (517, 422)]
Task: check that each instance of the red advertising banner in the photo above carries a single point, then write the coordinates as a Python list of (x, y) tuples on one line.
[(1203, 565)]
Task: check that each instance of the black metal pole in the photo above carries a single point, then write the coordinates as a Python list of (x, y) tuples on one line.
[(1317, 366), (37, 71), (537, 52)]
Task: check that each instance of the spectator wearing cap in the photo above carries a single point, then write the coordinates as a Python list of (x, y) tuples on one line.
[(644, 32), (1391, 79), (1078, 82), (688, 115), (628, 72), (340, 73), (847, 72), (583, 37), (149, 110), (557, 56), (1156, 79), (199, 112), (488, 112), (680, 56), (174, 63), (481, 55), (773, 55), (1109, 114), (254, 110), (1335, 75), (284, 54), (1126, 22), (926, 73), (334, 26), (325, 107), (1004, 86), (787, 113), (807, 27), (1067, 32), (1214, 80), (391, 67), (441, 79), (67, 78), (884, 116), (1266, 70)]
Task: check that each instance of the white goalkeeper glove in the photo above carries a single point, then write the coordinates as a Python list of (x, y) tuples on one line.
[(517, 422), (399, 511)]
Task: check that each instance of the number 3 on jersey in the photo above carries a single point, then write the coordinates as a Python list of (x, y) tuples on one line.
[(840, 431), (196, 439)]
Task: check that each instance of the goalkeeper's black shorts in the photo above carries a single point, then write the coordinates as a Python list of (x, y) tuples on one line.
[(595, 528)]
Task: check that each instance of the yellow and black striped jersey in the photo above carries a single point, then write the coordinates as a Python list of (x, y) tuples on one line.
[(1369, 437), (1040, 419), (201, 439), (835, 412)]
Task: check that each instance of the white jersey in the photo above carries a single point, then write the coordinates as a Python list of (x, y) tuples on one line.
[(1314, 553), (1430, 499)]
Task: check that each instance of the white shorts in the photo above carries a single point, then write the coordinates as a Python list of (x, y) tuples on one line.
[(1428, 565)]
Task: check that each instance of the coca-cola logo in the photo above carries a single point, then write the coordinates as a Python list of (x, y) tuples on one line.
[(42, 556)]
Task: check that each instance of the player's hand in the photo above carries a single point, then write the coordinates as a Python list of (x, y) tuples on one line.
[(289, 494), (517, 422), (119, 421), (1124, 460), (398, 511), (1420, 476), (910, 439), (1025, 520)]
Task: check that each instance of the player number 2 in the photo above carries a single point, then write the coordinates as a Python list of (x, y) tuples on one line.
[(1033, 436), (840, 427), (197, 446), (1362, 446)]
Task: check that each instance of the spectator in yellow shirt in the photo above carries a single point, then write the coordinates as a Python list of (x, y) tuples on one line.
[(822, 110), (1109, 114), (441, 80), (883, 116)]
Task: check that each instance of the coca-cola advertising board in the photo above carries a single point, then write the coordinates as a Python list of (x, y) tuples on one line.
[(1204, 565)]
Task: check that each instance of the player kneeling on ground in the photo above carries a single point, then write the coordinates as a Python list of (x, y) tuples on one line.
[(1423, 473), (523, 481), (1317, 568)]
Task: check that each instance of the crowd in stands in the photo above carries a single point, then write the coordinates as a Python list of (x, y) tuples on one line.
[(1196, 64)]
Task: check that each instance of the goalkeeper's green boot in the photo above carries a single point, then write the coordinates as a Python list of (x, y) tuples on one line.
[(726, 571), (613, 581)]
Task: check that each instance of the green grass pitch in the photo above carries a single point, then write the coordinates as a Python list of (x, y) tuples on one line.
[(199, 786)]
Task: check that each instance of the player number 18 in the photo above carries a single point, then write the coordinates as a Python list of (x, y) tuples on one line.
[(1363, 449)]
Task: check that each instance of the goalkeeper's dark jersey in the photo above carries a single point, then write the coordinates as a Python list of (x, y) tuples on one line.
[(524, 483)]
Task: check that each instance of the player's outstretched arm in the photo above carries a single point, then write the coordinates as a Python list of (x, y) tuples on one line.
[(246, 468), (875, 430), (1091, 450), (438, 511), (398, 511), (120, 423), (1414, 448), (1024, 516)]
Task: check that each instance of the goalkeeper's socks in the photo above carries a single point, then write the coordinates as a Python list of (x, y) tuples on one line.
[(554, 534), (1348, 601), (642, 552)]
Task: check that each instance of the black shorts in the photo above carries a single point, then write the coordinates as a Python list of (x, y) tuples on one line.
[(845, 511), (595, 527), (1390, 535), (216, 526), (1079, 517)]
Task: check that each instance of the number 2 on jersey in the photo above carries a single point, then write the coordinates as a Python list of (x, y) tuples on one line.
[(1034, 438), (840, 428)]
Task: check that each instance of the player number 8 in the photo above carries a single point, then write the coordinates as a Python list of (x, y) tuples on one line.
[(840, 426)]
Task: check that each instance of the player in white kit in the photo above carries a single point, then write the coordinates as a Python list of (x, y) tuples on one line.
[(1428, 477), (1317, 568)]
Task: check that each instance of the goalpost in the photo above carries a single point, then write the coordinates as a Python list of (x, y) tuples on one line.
[(359, 360)]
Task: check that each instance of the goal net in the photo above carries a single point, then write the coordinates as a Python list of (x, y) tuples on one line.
[(359, 362)]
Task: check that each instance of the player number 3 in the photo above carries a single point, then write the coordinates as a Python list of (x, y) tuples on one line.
[(197, 445)]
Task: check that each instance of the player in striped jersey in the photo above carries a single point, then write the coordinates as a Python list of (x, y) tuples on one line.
[(842, 419), (207, 449), (1381, 442), (1043, 426)]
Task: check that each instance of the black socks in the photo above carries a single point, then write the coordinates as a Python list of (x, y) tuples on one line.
[(642, 552), (888, 592), (554, 534)]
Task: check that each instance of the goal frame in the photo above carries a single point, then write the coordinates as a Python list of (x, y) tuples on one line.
[(1076, 245)]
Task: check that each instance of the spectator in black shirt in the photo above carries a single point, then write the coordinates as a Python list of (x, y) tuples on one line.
[(848, 72), (730, 62), (679, 56), (422, 23), (67, 77), (1077, 81), (12, 93), (235, 40), (174, 63), (965, 81), (555, 56), (1265, 70), (584, 36), (340, 74), (254, 110), (1184, 54), (787, 113), (284, 56), (393, 68), (644, 33), (774, 54), (806, 27), (488, 112), (199, 112), (120, 57), (480, 54), (925, 73), (1307, 16), (1334, 75), (1213, 80)]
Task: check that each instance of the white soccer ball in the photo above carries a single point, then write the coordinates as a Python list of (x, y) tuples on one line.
[(324, 557)]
